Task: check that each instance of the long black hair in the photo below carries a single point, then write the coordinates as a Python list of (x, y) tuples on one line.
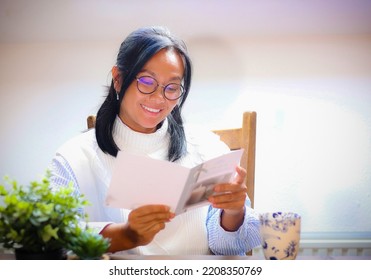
[(133, 54)]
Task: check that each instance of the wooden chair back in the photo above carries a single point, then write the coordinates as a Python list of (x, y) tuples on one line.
[(236, 138), (91, 121), (244, 137)]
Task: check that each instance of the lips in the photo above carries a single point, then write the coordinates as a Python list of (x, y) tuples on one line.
[(149, 109)]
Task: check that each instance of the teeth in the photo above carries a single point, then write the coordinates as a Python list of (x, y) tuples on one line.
[(151, 109)]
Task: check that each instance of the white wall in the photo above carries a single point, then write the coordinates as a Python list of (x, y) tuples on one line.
[(313, 99), (312, 94), (46, 92)]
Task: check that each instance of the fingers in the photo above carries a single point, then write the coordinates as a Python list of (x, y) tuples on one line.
[(229, 188), (241, 175), (148, 213), (148, 229), (238, 180), (146, 221), (231, 200), (149, 217), (231, 195)]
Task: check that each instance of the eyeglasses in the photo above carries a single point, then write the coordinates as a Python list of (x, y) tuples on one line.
[(148, 85)]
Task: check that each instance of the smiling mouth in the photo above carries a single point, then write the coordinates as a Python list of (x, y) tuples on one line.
[(152, 110)]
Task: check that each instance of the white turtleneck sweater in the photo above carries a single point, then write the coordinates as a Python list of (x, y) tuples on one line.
[(195, 232)]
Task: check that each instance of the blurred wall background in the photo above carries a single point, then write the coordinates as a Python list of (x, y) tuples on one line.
[(304, 66)]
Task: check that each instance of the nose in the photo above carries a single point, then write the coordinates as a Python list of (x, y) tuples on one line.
[(158, 94)]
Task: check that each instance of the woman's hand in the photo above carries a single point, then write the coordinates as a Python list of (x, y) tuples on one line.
[(142, 226), (146, 221), (231, 198)]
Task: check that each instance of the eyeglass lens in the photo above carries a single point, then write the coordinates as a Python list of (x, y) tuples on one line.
[(147, 85)]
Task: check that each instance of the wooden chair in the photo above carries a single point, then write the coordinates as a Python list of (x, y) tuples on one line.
[(236, 138), (244, 137), (91, 121)]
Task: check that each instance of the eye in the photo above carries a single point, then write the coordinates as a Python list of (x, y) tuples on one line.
[(172, 88), (147, 81)]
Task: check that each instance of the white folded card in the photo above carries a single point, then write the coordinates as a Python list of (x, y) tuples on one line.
[(141, 180)]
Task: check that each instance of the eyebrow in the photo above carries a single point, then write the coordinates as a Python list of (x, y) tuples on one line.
[(153, 74)]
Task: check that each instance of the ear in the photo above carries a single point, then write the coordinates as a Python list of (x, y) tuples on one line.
[(116, 78)]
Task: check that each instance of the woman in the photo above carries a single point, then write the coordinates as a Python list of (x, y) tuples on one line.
[(142, 114)]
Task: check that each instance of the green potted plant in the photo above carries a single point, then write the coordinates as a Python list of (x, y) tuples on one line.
[(88, 245), (38, 222)]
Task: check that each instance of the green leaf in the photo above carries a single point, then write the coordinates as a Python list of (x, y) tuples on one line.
[(3, 191), (48, 232)]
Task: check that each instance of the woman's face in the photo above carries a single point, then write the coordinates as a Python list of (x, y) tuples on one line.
[(143, 112)]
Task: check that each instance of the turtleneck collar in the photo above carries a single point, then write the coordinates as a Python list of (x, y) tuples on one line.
[(141, 143)]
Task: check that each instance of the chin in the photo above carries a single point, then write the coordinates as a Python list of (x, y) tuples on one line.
[(149, 128)]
